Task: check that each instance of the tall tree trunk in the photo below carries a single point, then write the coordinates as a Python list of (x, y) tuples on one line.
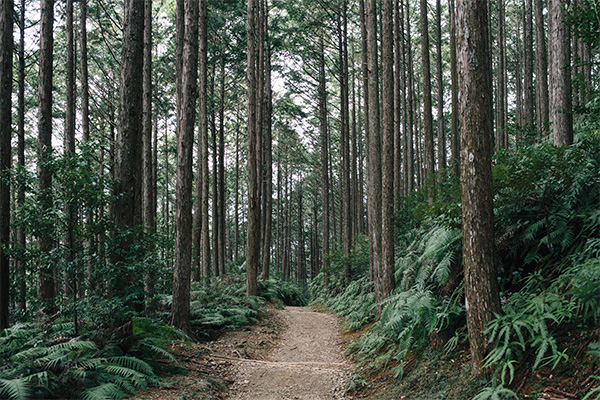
[(69, 149), (6, 72), (387, 152), (398, 108), (354, 153), (541, 69), (427, 107), (200, 232), (410, 165), (374, 148), (20, 239), (45, 278), (441, 129), (185, 138), (346, 215), (128, 159), (85, 127), (528, 101), (455, 144), (85, 91), (268, 154), (236, 204), (519, 77), (215, 174), (500, 101), (221, 183), (560, 75), (323, 131), (253, 239), (149, 210), (475, 82)]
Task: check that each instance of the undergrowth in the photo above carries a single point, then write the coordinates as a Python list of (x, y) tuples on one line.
[(48, 361), (547, 221)]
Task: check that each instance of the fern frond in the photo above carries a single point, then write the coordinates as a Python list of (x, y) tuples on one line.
[(105, 391), (15, 389)]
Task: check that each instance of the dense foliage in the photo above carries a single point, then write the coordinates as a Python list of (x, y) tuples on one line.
[(548, 252)]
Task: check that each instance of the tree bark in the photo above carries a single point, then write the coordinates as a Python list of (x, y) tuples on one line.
[(149, 209), (268, 154), (128, 159), (560, 75), (541, 69), (6, 73), (455, 144), (427, 107), (441, 129), (69, 149), (253, 239), (501, 100), (20, 239), (528, 101), (475, 83), (374, 148), (398, 108), (221, 178), (323, 132), (185, 138), (410, 165), (387, 152), (45, 278), (346, 215)]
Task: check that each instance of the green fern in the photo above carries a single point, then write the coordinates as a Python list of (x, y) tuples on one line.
[(496, 393), (15, 389), (105, 391)]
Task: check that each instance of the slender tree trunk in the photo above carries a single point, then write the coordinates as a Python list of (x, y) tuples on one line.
[(236, 205), (519, 77), (21, 241), (253, 239), (201, 240), (560, 75), (268, 154), (215, 174), (346, 215), (528, 66), (387, 152), (69, 150), (85, 128), (149, 210), (454, 81), (427, 107), (221, 203), (128, 159), (185, 138), (475, 82), (45, 278), (398, 98), (541, 69), (323, 129), (85, 91), (6, 73), (374, 146), (354, 154), (501, 72), (410, 165), (441, 129), (405, 159)]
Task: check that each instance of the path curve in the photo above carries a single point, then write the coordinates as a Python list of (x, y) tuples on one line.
[(306, 364)]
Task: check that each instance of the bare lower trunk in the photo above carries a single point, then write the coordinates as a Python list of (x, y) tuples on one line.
[(475, 82)]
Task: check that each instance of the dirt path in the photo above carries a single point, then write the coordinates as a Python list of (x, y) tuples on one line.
[(305, 364)]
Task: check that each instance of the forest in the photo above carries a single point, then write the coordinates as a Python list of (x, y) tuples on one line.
[(172, 171)]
